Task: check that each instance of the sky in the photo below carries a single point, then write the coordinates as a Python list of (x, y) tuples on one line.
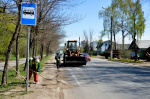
[(89, 10)]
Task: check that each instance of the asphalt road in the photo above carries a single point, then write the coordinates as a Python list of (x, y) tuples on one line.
[(101, 79)]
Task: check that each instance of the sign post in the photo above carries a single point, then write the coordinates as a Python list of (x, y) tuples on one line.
[(28, 17)]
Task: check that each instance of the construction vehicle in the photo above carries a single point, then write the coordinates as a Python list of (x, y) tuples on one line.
[(72, 56)]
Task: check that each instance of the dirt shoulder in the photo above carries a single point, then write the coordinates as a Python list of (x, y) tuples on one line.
[(49, 88)]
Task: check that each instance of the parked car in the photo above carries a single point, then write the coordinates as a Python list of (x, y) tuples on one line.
[(87, 56), (132, 55)]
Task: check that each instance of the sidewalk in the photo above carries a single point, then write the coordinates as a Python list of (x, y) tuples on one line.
[(50, 88)]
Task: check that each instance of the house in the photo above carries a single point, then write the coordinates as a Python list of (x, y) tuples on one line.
[(93, 47), (119, 46), (101, 47), (141, 46)]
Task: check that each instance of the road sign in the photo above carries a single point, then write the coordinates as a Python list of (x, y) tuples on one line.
[(28, 14)]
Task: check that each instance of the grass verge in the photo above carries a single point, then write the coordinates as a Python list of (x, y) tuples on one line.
[(93, 56), (126, 60), (13, 81)]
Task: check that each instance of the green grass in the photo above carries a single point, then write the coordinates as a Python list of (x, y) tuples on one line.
[(93, 56), (126, 60), (13, 57), (13, 81), (2, 57)]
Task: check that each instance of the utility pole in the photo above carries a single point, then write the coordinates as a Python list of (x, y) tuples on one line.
[(79, 41), (79, 45)]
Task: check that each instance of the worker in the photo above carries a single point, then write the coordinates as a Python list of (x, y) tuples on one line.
[(57, 58), (35, 66), (71, 46)]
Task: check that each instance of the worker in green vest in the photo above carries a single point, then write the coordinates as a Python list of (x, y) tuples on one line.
[(35, 66), (57, 58)]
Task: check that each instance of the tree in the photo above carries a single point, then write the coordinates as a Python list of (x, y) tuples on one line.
[(89, 39), (4, 77), (130, 18), (86, 48), (48, 11), (109, 15), (136, 22)]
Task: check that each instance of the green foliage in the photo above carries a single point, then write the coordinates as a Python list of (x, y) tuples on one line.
[(22, 47), (125, 13), (136, 16), (2, 57), (125, 54), (13, 57), (7, 27)]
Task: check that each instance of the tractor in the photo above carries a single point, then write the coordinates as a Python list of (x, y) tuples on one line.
[(72, 56)]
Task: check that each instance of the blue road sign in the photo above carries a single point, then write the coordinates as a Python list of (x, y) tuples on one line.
[(28, 14)]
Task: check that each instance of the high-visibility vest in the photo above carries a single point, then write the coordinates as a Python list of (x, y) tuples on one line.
[(31, 63), (57, 57)]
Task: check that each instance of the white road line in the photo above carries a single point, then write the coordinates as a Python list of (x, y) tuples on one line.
[(74, 78)]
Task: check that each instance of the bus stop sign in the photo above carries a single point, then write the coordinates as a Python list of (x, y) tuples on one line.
[(28, 14)]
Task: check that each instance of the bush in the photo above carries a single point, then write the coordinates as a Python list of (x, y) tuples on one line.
[(125, 54)]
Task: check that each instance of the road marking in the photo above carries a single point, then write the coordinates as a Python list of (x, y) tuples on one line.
[(74, 78)]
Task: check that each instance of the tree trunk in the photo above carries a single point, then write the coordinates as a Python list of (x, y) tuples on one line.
[(122, 37), (33, 49), (4, 77), (42, 47), (47, 49), (17, 52), (36, 48), (114, 39), (135, 41)]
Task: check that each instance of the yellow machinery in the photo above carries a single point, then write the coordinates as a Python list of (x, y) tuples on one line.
[(72, 55)]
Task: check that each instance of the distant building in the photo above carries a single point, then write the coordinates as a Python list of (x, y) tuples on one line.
[(94, 45), (83, 43), (141, 46), (101, 47), (119, 46)]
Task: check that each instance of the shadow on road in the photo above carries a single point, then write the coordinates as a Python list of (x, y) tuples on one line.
[(124, 77)]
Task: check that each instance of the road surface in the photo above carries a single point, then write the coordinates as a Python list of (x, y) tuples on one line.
[(101, 79)]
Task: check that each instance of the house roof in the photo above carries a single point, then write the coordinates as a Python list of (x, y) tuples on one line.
[(143, 43), (126, 46)]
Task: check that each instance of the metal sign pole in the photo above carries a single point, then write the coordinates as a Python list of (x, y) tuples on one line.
[(28, 41), (28, 17)]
